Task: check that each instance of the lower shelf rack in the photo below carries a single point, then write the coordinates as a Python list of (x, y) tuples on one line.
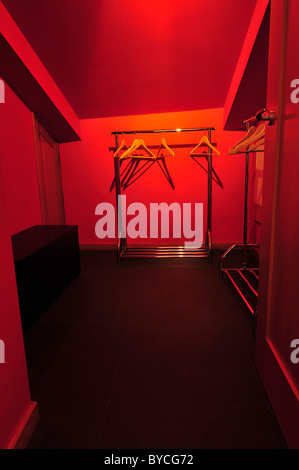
[(240, 264), (245, 281), (163, 252)]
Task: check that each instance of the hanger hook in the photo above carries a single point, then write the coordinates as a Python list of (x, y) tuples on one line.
[(265, 115)]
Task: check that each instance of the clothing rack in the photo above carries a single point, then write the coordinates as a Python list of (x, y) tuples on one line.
[(245, 278), (123, 250)]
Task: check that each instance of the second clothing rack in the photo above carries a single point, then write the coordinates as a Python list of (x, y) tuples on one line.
[(245, 278)]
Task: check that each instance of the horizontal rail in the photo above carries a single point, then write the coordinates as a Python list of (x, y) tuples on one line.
[(163, 256), (157, 131), (164, 252), (239, 292), (155, 255), (252, 270), (165, 248), (239, 271), (173, 146)]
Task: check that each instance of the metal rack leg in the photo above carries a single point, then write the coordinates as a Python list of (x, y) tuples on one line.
[(209, 218), (117, 194), (254, 323), (245, 212)]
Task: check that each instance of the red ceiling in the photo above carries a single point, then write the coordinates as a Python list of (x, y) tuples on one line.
[(124, 57)]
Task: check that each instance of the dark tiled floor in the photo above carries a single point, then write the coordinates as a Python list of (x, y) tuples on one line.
[(147, 354)]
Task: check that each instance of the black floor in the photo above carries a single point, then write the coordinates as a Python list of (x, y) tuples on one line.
[(149, 354)]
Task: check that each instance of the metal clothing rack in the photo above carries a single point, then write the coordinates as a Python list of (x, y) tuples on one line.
[(123, 250), (245, 278)]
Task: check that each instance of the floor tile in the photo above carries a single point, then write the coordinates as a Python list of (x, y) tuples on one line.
[(68, 426), (173, 427), (153, 354), (80, 377)]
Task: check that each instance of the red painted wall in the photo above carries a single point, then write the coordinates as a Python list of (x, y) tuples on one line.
[(87, 172), (19, 209), (17, 155), (14, 388)]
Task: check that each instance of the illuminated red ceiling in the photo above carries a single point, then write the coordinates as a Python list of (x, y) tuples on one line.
[(124, 57)]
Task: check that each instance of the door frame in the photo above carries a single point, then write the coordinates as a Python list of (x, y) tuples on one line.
[(39, 130), (275, 378)]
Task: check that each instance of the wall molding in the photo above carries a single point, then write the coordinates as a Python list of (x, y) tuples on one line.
[(26, 75), (25, 428)]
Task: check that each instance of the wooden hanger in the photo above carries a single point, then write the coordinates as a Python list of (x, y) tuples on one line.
[(164, 147), (136, 153), (137, 150), (123, 146), (257, 145), (256, 137), (141, 160), (204, 140), (249, 133), (141, 147), (130, 149)]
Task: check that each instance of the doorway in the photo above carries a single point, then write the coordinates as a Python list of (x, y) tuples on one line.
[(49, 176)]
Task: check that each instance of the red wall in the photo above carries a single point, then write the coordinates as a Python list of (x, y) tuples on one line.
[(87, 171), (14, 388), (19, 209), (17, 155)]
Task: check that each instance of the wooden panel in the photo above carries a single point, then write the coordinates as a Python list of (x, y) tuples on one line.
[(49, 175)]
